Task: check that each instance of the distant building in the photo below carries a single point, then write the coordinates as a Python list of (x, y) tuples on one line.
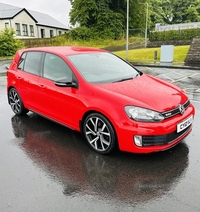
[(28, 23), (166, 27)]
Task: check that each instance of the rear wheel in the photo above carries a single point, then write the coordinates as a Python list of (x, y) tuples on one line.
[(99, 133), (16, 102)]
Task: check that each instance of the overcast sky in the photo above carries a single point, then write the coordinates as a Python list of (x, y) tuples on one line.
[(58, 9)]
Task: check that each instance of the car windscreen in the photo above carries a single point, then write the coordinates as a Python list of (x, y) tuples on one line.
[(103, 67)]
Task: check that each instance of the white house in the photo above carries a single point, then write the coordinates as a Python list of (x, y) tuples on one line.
[(28, 23)]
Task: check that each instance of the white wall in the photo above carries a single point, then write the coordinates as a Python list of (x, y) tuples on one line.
[(24, 18), (47, 31)]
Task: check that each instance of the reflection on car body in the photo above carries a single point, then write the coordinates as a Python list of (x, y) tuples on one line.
[(104, 97)]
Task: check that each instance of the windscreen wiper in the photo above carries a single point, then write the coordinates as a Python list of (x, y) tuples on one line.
[(124, 79)]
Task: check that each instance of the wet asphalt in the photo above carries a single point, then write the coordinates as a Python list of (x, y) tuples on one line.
[(47, 167)]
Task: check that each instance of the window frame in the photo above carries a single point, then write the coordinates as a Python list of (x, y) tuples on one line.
[(6, 24), (17, 29), (25, 29), (31, 27), (51, 33)]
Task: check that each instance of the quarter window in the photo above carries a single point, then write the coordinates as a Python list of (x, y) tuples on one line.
[(21, 62)]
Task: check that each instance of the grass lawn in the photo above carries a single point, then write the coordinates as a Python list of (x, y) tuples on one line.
[(147, 54)]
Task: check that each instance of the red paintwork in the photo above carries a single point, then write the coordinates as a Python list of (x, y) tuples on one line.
[(68, 105)]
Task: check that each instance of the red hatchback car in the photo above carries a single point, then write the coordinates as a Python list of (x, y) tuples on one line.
[(99, 94)]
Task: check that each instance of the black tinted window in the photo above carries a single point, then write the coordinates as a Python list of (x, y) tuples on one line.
[(32, 62)]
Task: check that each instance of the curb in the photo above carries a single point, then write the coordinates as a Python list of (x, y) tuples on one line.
[(168, 66)]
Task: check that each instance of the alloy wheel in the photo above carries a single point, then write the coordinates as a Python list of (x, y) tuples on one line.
[(99, 133)]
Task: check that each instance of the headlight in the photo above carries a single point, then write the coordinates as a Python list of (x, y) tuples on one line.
[(142, 114)]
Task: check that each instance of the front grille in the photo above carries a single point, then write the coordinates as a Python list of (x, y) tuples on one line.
[(175, 111), (159, 140)]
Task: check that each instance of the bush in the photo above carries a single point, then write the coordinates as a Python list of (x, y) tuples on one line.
[(185, 34), (8, 44), (94, 33)]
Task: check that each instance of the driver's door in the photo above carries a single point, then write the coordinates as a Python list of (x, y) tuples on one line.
[(57, 103)]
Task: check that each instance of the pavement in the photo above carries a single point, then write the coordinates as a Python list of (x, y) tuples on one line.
[(4, 65)]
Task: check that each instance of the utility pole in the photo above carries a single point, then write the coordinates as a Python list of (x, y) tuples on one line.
[(146, 28), (127, 30)]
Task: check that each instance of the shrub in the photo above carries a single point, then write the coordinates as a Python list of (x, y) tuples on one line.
[(184, 34), (8, 44)]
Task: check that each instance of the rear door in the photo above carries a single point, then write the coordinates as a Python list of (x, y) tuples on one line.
[(29, 69)]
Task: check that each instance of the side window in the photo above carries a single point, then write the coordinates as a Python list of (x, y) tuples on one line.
[(32, 62), (55, 68)]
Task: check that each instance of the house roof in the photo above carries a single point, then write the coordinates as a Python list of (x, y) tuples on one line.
[(9, 11)]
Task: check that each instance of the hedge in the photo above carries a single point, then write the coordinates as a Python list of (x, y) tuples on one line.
[(184, 34)]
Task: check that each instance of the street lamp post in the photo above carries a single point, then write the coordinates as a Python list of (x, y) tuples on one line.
[(127, 30)]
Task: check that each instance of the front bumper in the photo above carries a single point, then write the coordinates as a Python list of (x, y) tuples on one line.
[(155, 136)]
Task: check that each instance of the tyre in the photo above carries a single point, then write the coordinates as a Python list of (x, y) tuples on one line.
[(16, 102), (99, 133)]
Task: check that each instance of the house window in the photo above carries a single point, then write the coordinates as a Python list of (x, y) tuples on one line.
[(60, 32), (25, 29), (51, 33), (6, 25), (17, 29), (42, 33), (31, 31)]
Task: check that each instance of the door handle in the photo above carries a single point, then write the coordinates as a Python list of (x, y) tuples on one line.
[(42, 86)]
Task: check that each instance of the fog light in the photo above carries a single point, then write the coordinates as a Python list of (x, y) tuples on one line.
[(138, 140)]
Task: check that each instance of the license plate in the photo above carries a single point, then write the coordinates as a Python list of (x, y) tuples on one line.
[(184, 124)]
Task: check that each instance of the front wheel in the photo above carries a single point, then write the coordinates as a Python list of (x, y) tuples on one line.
[(99, 133), (16, 102)]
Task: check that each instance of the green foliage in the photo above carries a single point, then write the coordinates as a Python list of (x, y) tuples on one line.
[(8, 44), (80, 33), (175, 11), (101, 18), (185, 34), (110, 16), (58, 40)]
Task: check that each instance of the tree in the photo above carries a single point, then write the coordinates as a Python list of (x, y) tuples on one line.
[(104, 17), (107, 18), (175, 11), (83, 12)]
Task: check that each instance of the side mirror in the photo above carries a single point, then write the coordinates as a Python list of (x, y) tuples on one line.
[(65, 82)]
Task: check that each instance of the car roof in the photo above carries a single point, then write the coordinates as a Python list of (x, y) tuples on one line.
[(65, 50)]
